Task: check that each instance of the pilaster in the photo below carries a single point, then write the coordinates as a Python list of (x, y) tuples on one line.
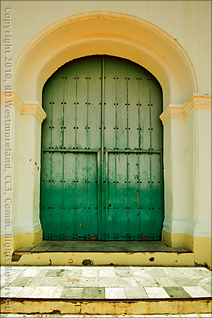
[(20, 147), (187, 165)]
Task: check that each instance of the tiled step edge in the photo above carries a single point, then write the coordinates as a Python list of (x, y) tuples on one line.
[(104, 258), (60, 306)]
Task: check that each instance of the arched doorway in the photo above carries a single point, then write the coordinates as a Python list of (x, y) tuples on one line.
[(101, 175)]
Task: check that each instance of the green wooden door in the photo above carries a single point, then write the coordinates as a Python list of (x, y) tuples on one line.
[(101, 172)]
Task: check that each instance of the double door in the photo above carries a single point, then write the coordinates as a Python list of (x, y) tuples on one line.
[(101, 175)]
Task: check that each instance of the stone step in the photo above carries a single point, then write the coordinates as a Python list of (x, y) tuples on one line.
[(104, 258), (107, 307), (103, 254), (105, 290)]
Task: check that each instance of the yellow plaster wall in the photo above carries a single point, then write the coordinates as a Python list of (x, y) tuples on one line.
[(27, 239), (10, 244), (200, 246), (202, 250)]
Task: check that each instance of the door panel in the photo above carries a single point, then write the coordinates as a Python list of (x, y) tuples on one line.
[(86, 195), (69, 196), (102, 152), (134, 196), (69, 204), (57, 112)]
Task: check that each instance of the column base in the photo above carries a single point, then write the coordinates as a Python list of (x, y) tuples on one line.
[(11, 243), (200, 246)]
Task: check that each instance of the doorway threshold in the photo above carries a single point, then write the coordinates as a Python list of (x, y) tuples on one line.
[(103, 253), (103, 246)]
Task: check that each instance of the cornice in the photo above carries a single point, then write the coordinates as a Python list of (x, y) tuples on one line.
[(182, 111), (25, 108), (34, 109), (173, 111), (13, 98), (197, 102)]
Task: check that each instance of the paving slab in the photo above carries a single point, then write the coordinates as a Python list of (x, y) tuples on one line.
[(156, 292), (107, 283), (177, 292), (71, 292), (93, 293), (117, 246), (173, 281)]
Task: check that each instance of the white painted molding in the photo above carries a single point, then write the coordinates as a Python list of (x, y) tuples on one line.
[(25, 108), (8, 231), (24, 226), (13, 229), (30, 225), (175, 226), (197, 229), (182, 111), (202, 229)]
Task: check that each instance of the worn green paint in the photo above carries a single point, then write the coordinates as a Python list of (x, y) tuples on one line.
[(102, 152)]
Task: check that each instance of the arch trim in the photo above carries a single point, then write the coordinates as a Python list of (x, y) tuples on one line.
[(178, 84)]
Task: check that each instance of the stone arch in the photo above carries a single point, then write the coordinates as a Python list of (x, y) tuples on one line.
[(116, 34)]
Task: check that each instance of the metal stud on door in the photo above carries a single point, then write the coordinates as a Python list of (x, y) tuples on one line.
[(102, 152)]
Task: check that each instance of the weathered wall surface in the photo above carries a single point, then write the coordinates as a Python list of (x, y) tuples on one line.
[(186, 21), (171, 39)]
